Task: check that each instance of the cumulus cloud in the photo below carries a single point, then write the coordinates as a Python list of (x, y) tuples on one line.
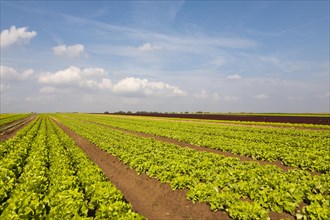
[(148, 47), (131, 85), (10, 76), (93, 72), (260, 96), (234, 77), (8, 73), (75, 50), (105, 84), (74, 76), (96, 78), (27, 73), (14, 35), (69, 75)]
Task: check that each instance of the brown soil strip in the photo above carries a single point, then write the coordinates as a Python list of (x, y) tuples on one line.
[(200, 121), (325, 120), (148, 196), (14, 127)]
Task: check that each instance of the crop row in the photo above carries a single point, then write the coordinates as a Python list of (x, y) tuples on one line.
[(5, 119), (308, 150), (245, 190), (54, 179)]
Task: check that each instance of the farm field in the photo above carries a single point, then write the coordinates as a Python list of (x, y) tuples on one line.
[(45, 175), (6, 119), (184, 169), (10, 123)]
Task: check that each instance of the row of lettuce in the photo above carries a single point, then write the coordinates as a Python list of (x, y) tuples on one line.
[(244, 190), (44, 175), (9, 118), (306, 149)]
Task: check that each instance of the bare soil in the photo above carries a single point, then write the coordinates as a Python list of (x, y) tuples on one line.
[(11, 129), (148, 196), (256, 118)]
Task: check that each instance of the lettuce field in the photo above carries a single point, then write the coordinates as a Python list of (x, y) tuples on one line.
[(89, 166)]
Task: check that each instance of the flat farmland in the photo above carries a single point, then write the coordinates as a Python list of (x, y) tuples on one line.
[(128, 167)]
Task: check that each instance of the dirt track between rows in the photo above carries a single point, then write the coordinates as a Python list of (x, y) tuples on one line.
[(148, 196), (251, 118), (10, 132)]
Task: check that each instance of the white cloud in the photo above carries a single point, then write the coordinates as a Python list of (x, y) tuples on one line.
[(75, 50), (15, 35), (10, 74), (148, 47), (105, 84), (27, 73), (234, 77), (93, 72), (93, 78), (69, 75), (261, 96), (133, 85)]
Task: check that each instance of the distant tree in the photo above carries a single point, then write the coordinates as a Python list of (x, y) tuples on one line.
[(106, 112)]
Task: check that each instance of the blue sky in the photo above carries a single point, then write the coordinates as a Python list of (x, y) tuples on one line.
[(219, 56)]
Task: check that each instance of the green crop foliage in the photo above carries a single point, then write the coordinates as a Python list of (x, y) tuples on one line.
[(305, 149), (44, 175), (244, 190), (8, 118)]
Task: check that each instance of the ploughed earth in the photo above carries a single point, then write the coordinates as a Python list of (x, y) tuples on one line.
[(256, 118), (9, 130)]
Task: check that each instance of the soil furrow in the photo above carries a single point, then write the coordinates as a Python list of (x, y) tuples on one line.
[(148, 196), (14, 128)]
